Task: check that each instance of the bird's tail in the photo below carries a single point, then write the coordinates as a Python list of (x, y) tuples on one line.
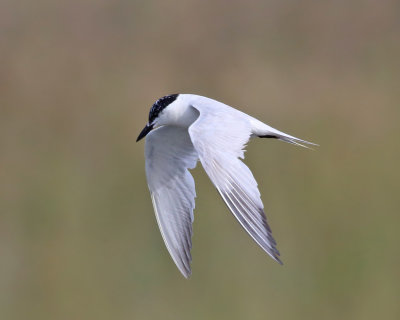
[(263, 130)]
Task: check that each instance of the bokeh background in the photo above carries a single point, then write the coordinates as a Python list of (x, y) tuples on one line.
[(78, 237)]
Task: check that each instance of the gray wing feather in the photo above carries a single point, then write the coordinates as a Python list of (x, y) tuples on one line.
[(169, 154), (219, 136)]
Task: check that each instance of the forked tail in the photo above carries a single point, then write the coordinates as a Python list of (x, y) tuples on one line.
[(290, 139), (263, 130)]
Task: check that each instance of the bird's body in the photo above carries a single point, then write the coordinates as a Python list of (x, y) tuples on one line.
[(188, 128)]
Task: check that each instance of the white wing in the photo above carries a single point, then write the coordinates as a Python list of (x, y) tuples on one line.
[(169, 154), (219, 136)]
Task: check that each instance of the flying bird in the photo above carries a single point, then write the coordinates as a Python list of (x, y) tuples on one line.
[(185, 128)]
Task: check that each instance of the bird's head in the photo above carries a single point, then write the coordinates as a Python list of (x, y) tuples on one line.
[(157, 115)]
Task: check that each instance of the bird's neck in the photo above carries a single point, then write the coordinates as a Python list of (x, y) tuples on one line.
[(181, 115)]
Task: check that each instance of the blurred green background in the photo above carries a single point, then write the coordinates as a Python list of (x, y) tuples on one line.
[(78, 237)]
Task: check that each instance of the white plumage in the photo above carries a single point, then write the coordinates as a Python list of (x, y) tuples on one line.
[(188, 128)]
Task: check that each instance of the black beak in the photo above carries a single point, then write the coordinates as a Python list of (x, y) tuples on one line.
[(144, 132)]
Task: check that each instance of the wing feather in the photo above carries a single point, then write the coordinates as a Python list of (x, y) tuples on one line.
[(219, 136), (169, 154)]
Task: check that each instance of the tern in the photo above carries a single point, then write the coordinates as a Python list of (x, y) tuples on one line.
[(185, 128)]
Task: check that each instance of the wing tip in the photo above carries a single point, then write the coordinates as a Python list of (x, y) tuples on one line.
[(278, 260), (273, 253), (186, 273)]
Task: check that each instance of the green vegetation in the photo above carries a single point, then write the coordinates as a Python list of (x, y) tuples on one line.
[(78, 237)]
